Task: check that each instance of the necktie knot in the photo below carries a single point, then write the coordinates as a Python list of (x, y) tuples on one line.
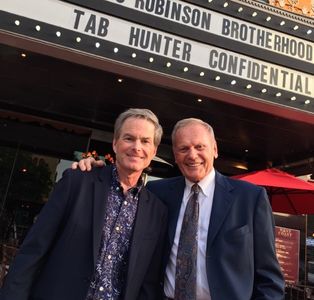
[(195, 188)]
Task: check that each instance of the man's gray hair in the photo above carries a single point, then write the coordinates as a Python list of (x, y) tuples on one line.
[(139, 113), (185, 122)]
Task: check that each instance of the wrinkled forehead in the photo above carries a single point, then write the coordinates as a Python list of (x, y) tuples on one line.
[(193, 133), (132, 121)]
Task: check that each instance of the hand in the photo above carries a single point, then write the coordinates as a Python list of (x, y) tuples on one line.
[(86, 164)]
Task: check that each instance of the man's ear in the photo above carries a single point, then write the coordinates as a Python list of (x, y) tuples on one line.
[(215, 150), (114, 145)]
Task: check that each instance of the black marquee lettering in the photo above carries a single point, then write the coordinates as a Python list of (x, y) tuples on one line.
[(78, 13), (212, 62), (134, 36), (284, 79), (225, 27), (91, 24), (298, 84), (139, 4), (186, 55), (103, 27), (307, 91), (159, 9)]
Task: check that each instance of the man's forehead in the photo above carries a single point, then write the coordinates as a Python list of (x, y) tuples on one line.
[(196, 131), (142, 131), (145, 135)]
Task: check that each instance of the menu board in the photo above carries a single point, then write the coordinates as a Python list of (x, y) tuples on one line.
[(288, 250)]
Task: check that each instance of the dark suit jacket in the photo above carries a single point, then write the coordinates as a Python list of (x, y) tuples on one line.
[(57, 258), (241, 261)]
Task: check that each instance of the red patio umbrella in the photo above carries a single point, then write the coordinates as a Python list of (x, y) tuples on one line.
[(287, 193)]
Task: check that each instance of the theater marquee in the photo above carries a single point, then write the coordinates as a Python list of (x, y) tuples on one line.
[(216, 50)]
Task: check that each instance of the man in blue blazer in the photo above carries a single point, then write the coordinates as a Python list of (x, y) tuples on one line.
[(101, 234), (236, 258)]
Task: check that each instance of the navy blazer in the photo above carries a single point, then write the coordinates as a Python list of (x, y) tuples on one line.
[(241, 261), (58, 256)]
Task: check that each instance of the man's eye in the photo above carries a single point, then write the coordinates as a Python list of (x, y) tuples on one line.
[(200, 147)]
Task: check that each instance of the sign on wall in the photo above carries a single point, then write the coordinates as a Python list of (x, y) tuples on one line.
[(224, 26), (288, 252), (128, 42)]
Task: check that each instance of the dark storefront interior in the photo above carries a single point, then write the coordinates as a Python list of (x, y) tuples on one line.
[(57, 99), (50, 108)]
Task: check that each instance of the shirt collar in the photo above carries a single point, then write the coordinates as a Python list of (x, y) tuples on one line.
[(205, 184), (117, 186)]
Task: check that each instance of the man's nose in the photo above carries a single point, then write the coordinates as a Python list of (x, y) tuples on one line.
[(192, 153), (137, 145)]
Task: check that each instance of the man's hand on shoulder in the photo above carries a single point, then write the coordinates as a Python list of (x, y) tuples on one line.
[(86, 164)]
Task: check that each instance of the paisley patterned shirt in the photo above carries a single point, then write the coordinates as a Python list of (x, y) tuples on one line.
[(111, 267)]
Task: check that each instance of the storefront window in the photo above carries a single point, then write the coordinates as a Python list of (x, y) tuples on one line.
[(25, 183)]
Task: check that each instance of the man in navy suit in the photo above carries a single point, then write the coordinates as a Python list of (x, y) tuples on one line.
[(101, 234), (236, 258)]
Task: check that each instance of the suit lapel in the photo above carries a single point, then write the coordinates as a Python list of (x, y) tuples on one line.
[(141, 224), (221, 204), (138, 262), (175, 196), (101, 190)]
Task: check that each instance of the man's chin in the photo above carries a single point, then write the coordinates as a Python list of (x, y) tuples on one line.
[(193, 177)]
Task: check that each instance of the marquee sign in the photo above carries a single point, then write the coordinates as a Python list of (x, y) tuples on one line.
[(211, 27), (123, 41), (221, 25)]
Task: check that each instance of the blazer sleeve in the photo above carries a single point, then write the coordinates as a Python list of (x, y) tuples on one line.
[(268, 281), (38, 242)]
